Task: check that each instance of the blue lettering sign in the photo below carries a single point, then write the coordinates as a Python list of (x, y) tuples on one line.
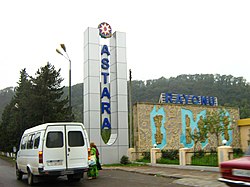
[(203, 100), (168, 97), (212, 101), (195, 100), (105, 76), (186, 97), (189, 99), (178, 99), (106, 123), (105, 106), (105, 63), (105, 49), (105, 92)]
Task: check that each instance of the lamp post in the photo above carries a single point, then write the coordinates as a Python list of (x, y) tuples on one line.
[(67, 57)]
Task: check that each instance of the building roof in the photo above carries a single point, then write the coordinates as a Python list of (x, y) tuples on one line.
[(243, 122)]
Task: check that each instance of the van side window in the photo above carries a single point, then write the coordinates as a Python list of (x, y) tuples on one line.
[(75, 138), (37, 140), (54, 139), (30, 141), (24, 142)]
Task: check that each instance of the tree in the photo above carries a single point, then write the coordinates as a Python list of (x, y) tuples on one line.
[(199, 135), (217, 124), (46, 97), (16, 114), (37, 100)]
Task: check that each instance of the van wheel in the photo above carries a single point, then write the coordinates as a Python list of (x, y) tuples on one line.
[(19, 174), (30, 178)]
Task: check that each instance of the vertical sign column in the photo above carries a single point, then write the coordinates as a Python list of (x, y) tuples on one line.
[(91, 94), (119, 95), (105, 93)]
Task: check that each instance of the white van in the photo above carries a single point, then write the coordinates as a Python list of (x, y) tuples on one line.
[(53, 149)]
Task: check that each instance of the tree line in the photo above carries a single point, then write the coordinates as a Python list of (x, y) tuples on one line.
[(36, 100), (230, 91), (41, 99)]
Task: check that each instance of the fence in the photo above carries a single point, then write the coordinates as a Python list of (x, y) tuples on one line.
[(168, 157), (202, 158), (184, 156)]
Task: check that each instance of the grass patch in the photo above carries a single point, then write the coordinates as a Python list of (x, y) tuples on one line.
[(206, 160), (145, 160), (8, 159), (168, 161), (126, 165)]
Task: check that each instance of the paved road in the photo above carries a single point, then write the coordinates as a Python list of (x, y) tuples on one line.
[(108, 177), (7, 175), (186, 175)]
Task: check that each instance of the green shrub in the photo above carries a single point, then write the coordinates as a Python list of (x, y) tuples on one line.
[(124, 160), (206, 160), (146, 155), (168, 161), (170, 154), (237, 153)]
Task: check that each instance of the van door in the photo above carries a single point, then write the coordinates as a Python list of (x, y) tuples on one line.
[(77, 150), (54, 157)]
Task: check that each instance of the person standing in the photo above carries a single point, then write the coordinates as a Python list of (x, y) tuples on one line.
[(98, 164), (93, 171)]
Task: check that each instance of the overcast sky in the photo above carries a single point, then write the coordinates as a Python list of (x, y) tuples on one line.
[(164, 38)]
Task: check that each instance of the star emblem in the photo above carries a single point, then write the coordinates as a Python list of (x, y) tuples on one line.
[(105, 30)]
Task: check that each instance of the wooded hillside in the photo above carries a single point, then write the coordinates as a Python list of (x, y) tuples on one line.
[(230, 91)]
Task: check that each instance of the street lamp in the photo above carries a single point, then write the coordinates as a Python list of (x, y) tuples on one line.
[(67, 57)]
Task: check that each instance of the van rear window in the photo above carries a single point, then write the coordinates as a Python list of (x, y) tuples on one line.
[(75, 138), (37, 140), (54, 139)]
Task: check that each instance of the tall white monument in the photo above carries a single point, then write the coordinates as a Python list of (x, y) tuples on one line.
[(105, 91)]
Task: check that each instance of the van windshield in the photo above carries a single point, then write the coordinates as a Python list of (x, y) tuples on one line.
[(54, 139)]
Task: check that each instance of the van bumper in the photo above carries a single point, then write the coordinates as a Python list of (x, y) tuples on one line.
[(61, 172)]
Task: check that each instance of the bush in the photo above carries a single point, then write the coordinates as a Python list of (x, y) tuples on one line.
[(238, 151), (168, 161), (146, 155), (124, 160), (170, 154)]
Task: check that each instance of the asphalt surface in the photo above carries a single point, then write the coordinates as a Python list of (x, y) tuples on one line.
[(185, 175)]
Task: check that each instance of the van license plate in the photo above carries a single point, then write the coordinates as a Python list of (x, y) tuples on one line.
[(54, 163), (69, 172)]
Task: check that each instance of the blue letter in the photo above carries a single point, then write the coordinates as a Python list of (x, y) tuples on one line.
[(186, 97), (178, 99), (197, 100), (106, 107), (105, 75), (105, 92), (203, 100), (105, 49), (106, 123), (105, 63), (211, 101), (168, 97)]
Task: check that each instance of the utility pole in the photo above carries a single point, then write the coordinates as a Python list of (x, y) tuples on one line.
[(66, 57), (130, 111)]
